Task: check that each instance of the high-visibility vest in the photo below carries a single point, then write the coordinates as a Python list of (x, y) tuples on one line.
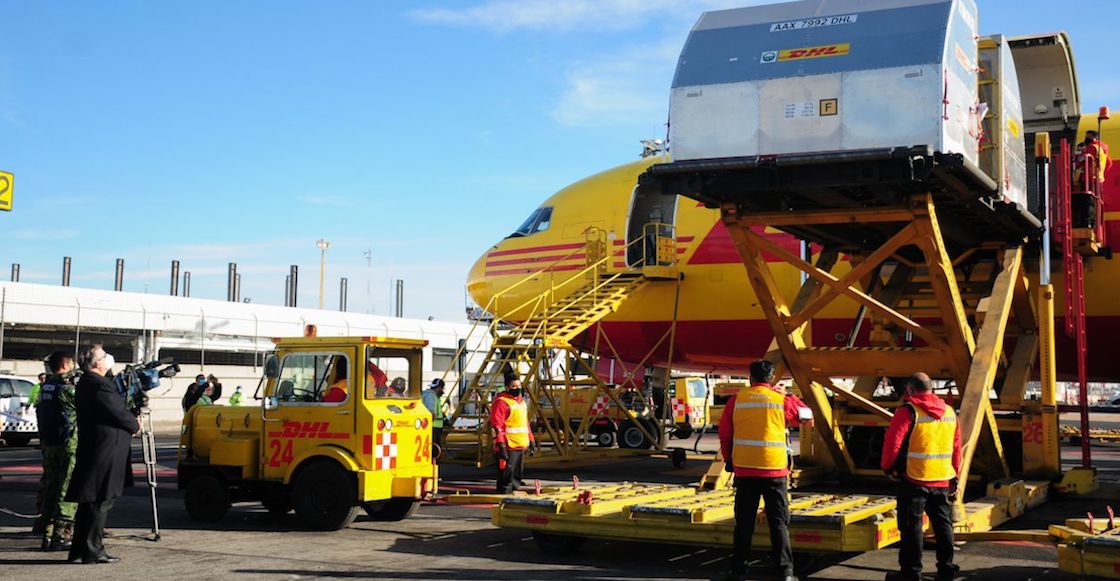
[(517, 424), (760, 429), (930, 454)]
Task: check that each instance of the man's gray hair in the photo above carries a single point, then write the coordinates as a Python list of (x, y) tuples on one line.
[(90, 356)]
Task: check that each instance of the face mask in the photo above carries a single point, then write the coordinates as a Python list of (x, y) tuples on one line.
[(202, 382), (109, 361), (515, 392)]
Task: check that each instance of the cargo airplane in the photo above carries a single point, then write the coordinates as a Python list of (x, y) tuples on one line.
[(719, 324)]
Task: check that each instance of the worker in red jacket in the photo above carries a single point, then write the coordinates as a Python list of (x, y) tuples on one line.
[(509, 419), (922, 450), (753, 440)]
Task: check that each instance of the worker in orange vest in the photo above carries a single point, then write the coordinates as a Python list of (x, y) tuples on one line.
[(922, 450), (509, 418), (755, 447)]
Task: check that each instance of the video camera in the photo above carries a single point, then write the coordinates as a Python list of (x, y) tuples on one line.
[(135, 380)]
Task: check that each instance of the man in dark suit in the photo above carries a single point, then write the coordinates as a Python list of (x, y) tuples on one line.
[(106, 429)]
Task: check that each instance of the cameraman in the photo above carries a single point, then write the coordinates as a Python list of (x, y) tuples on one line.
[(58, 433), (102, 459)]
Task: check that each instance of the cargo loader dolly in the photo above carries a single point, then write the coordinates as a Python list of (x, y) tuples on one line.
[(687, 515)]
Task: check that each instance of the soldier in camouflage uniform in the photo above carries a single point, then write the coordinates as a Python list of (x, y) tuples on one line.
[(58, 432)]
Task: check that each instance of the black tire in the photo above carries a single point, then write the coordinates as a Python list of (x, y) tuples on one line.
[(683, 431), (324, 496), (207, 498), (606, 439), (277, 505), (631, 437), (393, 509), (678, 456), (555, 544)]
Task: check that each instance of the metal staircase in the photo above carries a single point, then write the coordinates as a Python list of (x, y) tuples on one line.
[(539, 351)]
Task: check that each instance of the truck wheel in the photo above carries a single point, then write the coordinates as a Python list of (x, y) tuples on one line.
[(207, 499), (606, 439), (555, 544), (324, 497), (631, 437), (393, 509)]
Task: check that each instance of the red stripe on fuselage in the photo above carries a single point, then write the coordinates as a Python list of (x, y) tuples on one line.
[(555, 258), (547, 248), (557, 268)]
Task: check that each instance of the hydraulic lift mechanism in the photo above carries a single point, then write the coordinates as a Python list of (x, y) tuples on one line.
[(914, 156)]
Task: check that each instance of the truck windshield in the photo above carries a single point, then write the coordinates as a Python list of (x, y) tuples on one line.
[(389, 373)]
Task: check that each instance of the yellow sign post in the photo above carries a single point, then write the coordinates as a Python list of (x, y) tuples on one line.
[(7, 185)]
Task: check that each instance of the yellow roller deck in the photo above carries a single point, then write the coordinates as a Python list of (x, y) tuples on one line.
[(1089, 547), (683, 514), (819, 521)]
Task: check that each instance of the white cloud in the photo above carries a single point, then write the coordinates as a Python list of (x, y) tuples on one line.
[(629, 88), (509, 15)]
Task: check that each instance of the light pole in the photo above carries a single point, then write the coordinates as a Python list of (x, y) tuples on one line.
[(323, 246)]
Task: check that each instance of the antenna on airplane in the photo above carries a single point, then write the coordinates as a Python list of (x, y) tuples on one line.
[(651, 147)]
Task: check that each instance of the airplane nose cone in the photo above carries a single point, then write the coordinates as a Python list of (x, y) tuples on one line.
[(477, 285)]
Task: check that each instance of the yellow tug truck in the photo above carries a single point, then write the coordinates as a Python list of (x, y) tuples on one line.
[(340, 426)]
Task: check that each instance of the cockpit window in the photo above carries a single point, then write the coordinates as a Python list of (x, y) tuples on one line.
[(538, 221)]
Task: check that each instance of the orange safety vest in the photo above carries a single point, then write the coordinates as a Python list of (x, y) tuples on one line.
[(517, 425), (760, 429), (930, 454)]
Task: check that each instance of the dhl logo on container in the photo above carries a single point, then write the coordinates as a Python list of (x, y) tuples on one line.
[(808, 52)]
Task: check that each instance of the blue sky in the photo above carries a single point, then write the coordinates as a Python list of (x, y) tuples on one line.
[(245, 131)]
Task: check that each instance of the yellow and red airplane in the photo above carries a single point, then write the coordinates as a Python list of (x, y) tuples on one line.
[(720, 326)]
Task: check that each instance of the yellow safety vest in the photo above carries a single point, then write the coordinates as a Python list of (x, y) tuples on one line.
[(517, 425), (760, 429), (930, 454)]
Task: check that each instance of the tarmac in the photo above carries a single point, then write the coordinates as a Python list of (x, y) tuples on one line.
[(443, 541)]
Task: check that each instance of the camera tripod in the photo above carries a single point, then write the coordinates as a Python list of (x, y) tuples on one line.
[(148, 443)]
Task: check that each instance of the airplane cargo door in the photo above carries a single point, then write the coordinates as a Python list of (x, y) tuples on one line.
[(648, 207), (1048, 90)]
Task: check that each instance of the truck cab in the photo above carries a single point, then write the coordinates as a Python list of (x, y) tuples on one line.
[(340, 426)]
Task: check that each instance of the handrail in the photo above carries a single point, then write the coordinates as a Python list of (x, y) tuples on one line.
[(539, 303)]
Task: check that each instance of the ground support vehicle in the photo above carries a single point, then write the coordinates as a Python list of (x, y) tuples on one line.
[(310, 448)]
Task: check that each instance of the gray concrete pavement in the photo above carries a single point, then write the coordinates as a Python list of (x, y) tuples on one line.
[(440, 541)]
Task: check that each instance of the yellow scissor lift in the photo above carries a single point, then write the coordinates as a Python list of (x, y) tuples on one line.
[(952, 300), (536, 343)]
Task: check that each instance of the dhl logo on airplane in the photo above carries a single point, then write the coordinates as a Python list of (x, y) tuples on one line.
[(808, 52)]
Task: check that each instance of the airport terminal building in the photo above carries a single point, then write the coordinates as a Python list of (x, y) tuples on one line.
[(226, 339)]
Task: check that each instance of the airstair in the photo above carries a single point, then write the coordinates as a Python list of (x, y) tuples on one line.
[(559, 377)]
